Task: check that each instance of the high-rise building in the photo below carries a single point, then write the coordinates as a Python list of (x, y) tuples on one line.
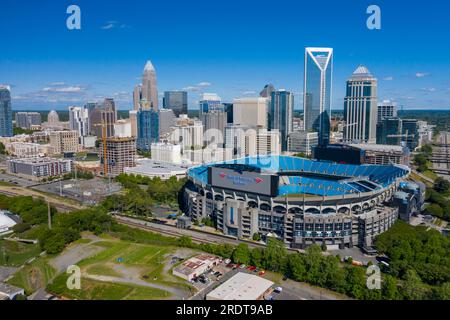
[(209, 102), (214, 123), (389, 131), (149, 87), (137, 97), (166, 120), (120, 154), (360, 107), (244, 141), (65, 141), (386, 109), (228, 107), (177, 101), (53, 118), (122, 128), (166, 152), (303, 142), (103, 115), (267, 91), (410, 132), (26, 120), (133, 122), (6, 125), (188, 133), (281, 115), (251, 112), (147, 129), (317, 92), (79, 120)]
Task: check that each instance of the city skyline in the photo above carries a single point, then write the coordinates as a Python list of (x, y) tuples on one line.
[(74, 67)]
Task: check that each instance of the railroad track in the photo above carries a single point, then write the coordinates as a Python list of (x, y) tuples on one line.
[(59, 206)]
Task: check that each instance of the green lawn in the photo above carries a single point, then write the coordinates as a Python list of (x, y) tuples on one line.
[(14, 254), (97, 290), (33, 276)]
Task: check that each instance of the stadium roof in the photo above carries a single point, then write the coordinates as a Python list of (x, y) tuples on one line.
[(304, 176)]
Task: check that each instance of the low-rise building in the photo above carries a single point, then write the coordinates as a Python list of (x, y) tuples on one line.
[(7, 222), (157, 169), (65, 141), (9, 292), (28, 149), (242, 286), (195, 266), (39, 168)]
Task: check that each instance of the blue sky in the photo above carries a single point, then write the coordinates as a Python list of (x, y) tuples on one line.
[(232, 48)]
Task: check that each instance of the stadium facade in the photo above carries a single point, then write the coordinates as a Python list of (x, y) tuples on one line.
[(299, 201)]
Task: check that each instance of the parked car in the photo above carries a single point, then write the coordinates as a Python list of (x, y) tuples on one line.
[(227, 261), (251, 268), (242, 266), (278, 290)]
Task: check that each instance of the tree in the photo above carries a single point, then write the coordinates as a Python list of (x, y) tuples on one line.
[(256, 257), (441, 185), (297, 267), (389, 288), (413, 288), (185, 241), (274, 255), (256, 236), (241, 254), (435, 210), (2, 148)]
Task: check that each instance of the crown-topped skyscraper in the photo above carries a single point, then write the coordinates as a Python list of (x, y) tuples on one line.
[(149, 88)]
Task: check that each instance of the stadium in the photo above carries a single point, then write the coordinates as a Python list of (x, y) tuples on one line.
[(298, 201)]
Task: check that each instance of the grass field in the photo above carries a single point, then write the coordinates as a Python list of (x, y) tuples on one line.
[(14, 254), (124, 271), (33, 276)]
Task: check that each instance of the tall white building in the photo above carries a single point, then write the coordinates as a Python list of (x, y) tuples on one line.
[(251, 112), (360, 107), (166, 152), (317, 92), (122, 128), (149, 87), (188, 134), (79, 120)]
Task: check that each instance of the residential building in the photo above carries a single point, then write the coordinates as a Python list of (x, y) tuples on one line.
[(6, 124), (147, 128), (120, 153), (79, 120), (26, 120), (39, 168), (188, 133), (317, 92), (28, 149), (122, 128), (65, 141), (177, 101), (281, 115), (360, 107)]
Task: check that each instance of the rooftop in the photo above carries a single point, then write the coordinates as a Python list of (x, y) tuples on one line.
[(242, 286)]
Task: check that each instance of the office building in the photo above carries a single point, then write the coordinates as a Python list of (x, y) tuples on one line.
[(65, 141), (410, 132), (120, 153), (102, 119), (6, 124), (149, 88), (38, 169), (228, 107), (317, 92), (147, 128), (210, 102), (26, 120), (281, 115), (251, 112), (177, 101), (360, 107), (166, 120), (214, 123), (303, 142), (79, 120), (137, 97), (386, 109), (166, 152), (133, 122), (389, 131)]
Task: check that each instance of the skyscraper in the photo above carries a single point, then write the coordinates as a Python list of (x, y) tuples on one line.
[(149, 87), (267, 91), (137, 97), (147, 129), (389, 131), (386, 109), (360, 107), (214, 123), (6, 126), (176, 101), (317, 92), (209, 102), (79, 120), (103, 114), (281, 115), (251, 112), (410, 132)]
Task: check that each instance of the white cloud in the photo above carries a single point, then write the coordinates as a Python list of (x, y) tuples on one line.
[(429, 89), (71, 89), (390, 78), (422, 74), (190, 88), (58, 83), (114, 24), (204, 84)]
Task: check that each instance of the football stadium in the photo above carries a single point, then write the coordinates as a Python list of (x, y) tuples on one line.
[(298, 201)]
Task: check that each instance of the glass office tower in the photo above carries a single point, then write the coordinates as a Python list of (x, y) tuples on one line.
[(177, 101), (147, 129), (317, 92), (6, 125), (281, 115)]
